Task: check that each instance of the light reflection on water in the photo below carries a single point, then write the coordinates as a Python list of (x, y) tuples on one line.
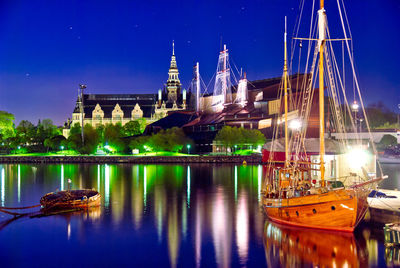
[(197, 215)]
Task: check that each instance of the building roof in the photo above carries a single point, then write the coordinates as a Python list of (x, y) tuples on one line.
[(175, 119), (127, 103), (310, 144)]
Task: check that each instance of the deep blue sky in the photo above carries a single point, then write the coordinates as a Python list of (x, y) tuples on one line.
[(47, 48)]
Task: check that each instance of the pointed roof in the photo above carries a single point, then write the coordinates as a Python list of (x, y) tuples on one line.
[(173, 58)]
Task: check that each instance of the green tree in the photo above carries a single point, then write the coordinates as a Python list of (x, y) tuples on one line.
[(226, 137), (172, 140), (231, 136), (25, 132), (54, 143), (6, 125), (139, 143), (142, 123), (113, 137), (91, 139), (132, 128), (100, 132), (175, 139)]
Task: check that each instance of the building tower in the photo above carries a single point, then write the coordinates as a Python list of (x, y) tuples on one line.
[(173, 83)]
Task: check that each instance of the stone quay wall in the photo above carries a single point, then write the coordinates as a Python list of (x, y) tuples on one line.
[(220, 159)]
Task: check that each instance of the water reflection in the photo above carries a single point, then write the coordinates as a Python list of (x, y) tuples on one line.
[(294, 247), (242, 228), (19, 183), (62, 178), (191, 215)]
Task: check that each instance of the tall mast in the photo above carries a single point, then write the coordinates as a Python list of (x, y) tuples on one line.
[(286, 101), (224, 84), (197, 88), (321, 43)]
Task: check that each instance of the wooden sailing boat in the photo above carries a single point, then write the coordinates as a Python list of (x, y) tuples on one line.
[(291, 196)]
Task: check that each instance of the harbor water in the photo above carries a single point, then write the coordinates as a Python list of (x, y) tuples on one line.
[(170, 216)]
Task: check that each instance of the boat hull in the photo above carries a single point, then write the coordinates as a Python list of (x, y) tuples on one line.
[(81, 199), (389, 160), (338, 210)]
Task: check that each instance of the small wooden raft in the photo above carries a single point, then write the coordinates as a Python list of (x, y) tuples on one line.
[(71, 199)]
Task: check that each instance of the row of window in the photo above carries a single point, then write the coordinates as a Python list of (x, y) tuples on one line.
[(99, 118)]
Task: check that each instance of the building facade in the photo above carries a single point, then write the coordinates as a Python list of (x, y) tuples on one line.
[(102, 109)]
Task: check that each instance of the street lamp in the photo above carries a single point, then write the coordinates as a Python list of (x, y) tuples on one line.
[(188, 148), (354, 108), (62, 148)]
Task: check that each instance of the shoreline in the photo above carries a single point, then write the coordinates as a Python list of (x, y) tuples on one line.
[(220, 159)]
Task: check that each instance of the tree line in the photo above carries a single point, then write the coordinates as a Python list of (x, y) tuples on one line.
[(45, 136), (115, 138)]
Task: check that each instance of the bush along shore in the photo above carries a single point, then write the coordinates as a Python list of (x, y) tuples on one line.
[(250, 159)]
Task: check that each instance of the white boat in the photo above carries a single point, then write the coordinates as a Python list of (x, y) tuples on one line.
[(389, 159), (384, 199)]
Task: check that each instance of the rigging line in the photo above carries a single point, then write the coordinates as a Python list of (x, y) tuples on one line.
[(347, 105), (358, 89), (295, 33), (234, 65), (214, 75), (298, 72), (310, 44), (204, 84), (332, 91), (331, 60), (352, 44)]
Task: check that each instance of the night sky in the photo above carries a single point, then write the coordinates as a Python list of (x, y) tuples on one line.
[(47, 48)]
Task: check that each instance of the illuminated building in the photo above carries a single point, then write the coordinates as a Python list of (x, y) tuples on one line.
[(101, 109)]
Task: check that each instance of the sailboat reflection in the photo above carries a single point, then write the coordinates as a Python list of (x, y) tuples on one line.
[(293, 247)]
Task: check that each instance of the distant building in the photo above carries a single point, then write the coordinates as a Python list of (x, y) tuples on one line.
[(101, 109), (262, 111)]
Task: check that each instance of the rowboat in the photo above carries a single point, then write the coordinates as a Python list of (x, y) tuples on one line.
[(71, 199)]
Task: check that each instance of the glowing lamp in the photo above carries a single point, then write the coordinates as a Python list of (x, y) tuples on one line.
[(355, 106), (357, 157), (295, 124), (188, 148)]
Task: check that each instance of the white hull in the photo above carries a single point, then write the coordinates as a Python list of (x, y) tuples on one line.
[(389, 160), (389, 202)]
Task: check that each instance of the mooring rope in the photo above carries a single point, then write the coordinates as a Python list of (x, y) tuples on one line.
[(8, 208)]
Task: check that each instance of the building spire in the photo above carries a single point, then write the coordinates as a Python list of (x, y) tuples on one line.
[(173, 83)]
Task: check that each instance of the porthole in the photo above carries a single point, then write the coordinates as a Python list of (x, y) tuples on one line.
[(314, 211), (333, 207), (297, 213)]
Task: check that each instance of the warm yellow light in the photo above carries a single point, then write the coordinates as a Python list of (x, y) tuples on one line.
[(295, 124), (357, 157)]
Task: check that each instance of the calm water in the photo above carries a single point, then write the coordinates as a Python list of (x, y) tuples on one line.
[(169, 215)]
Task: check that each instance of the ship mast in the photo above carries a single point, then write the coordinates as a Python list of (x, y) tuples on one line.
[(321, 43), (285, 70)]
